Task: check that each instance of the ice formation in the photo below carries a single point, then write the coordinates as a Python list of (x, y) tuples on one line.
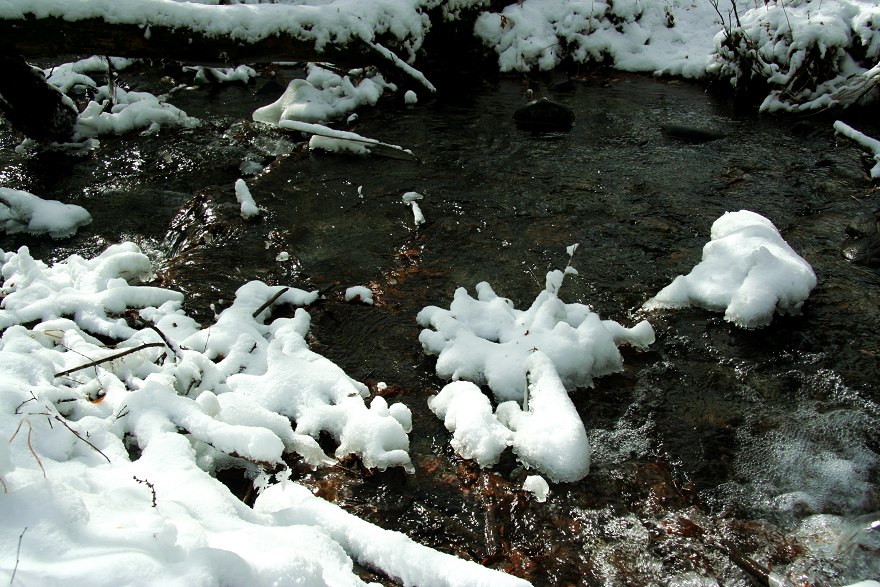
[(748, 271)]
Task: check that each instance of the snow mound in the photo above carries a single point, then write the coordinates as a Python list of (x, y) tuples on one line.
[(24, 212), (323, 96), (809, 56), (115, 111), (488, 341), (747, 270), (547, 435)]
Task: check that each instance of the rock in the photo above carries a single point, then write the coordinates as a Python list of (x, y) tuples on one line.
[(862, 243), (544, 114), (31, 105), (690, 134)]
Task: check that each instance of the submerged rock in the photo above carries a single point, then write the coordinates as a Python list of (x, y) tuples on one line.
[(862, 243), (690, 134), (544, 114)]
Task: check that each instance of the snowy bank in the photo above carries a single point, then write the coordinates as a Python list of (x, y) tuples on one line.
[(110, 454), (747, 270)]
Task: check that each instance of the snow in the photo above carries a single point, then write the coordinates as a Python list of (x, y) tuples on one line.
[(249, 208), (748, 271), (24, 212), (412, 198), (487, 341), (359, 293), (872, 145), (80, 507), (108, 462), (117, 111), (322, 96), (529, 360), (537, 486), (222, 75)]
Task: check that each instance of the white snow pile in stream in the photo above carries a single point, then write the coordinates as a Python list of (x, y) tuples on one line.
[(488, 341), (115, 111), (323, 96), (107, 472), (532, 356), (748, 271), (24, 212)]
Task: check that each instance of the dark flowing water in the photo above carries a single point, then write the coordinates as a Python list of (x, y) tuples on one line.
[(717, 437)]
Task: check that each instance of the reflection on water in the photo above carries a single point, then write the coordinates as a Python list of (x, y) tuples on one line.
[(713, 441)]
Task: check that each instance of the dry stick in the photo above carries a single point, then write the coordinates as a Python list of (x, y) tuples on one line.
[(111, 358), (17, 555), (270, 301), (148, 484), (164, 338), (30, 446)]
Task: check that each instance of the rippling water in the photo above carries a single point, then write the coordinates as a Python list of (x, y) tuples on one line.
[(766, 441)]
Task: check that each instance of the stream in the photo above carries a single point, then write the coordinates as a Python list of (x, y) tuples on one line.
[(716, 442)]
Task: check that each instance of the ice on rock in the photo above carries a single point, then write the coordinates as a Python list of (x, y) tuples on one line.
[(747, 270), (487, 340)]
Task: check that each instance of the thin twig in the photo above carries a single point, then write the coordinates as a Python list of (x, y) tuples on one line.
[(111, 358), (78, 435), (150, 485), (270, 301), (30, 446), (164, 338), (17, 555)]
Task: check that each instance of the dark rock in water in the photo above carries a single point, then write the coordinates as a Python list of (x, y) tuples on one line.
[(544, 114), (32, 106), (690, 134), (862, 243)]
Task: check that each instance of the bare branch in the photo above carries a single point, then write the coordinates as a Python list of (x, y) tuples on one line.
[(111, 358), (270, 301)]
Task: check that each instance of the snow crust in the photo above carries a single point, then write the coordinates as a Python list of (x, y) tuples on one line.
[(22, 211), (748, 271)]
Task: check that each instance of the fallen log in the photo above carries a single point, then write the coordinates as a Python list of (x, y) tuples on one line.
[(52, 37), (204, 33)]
